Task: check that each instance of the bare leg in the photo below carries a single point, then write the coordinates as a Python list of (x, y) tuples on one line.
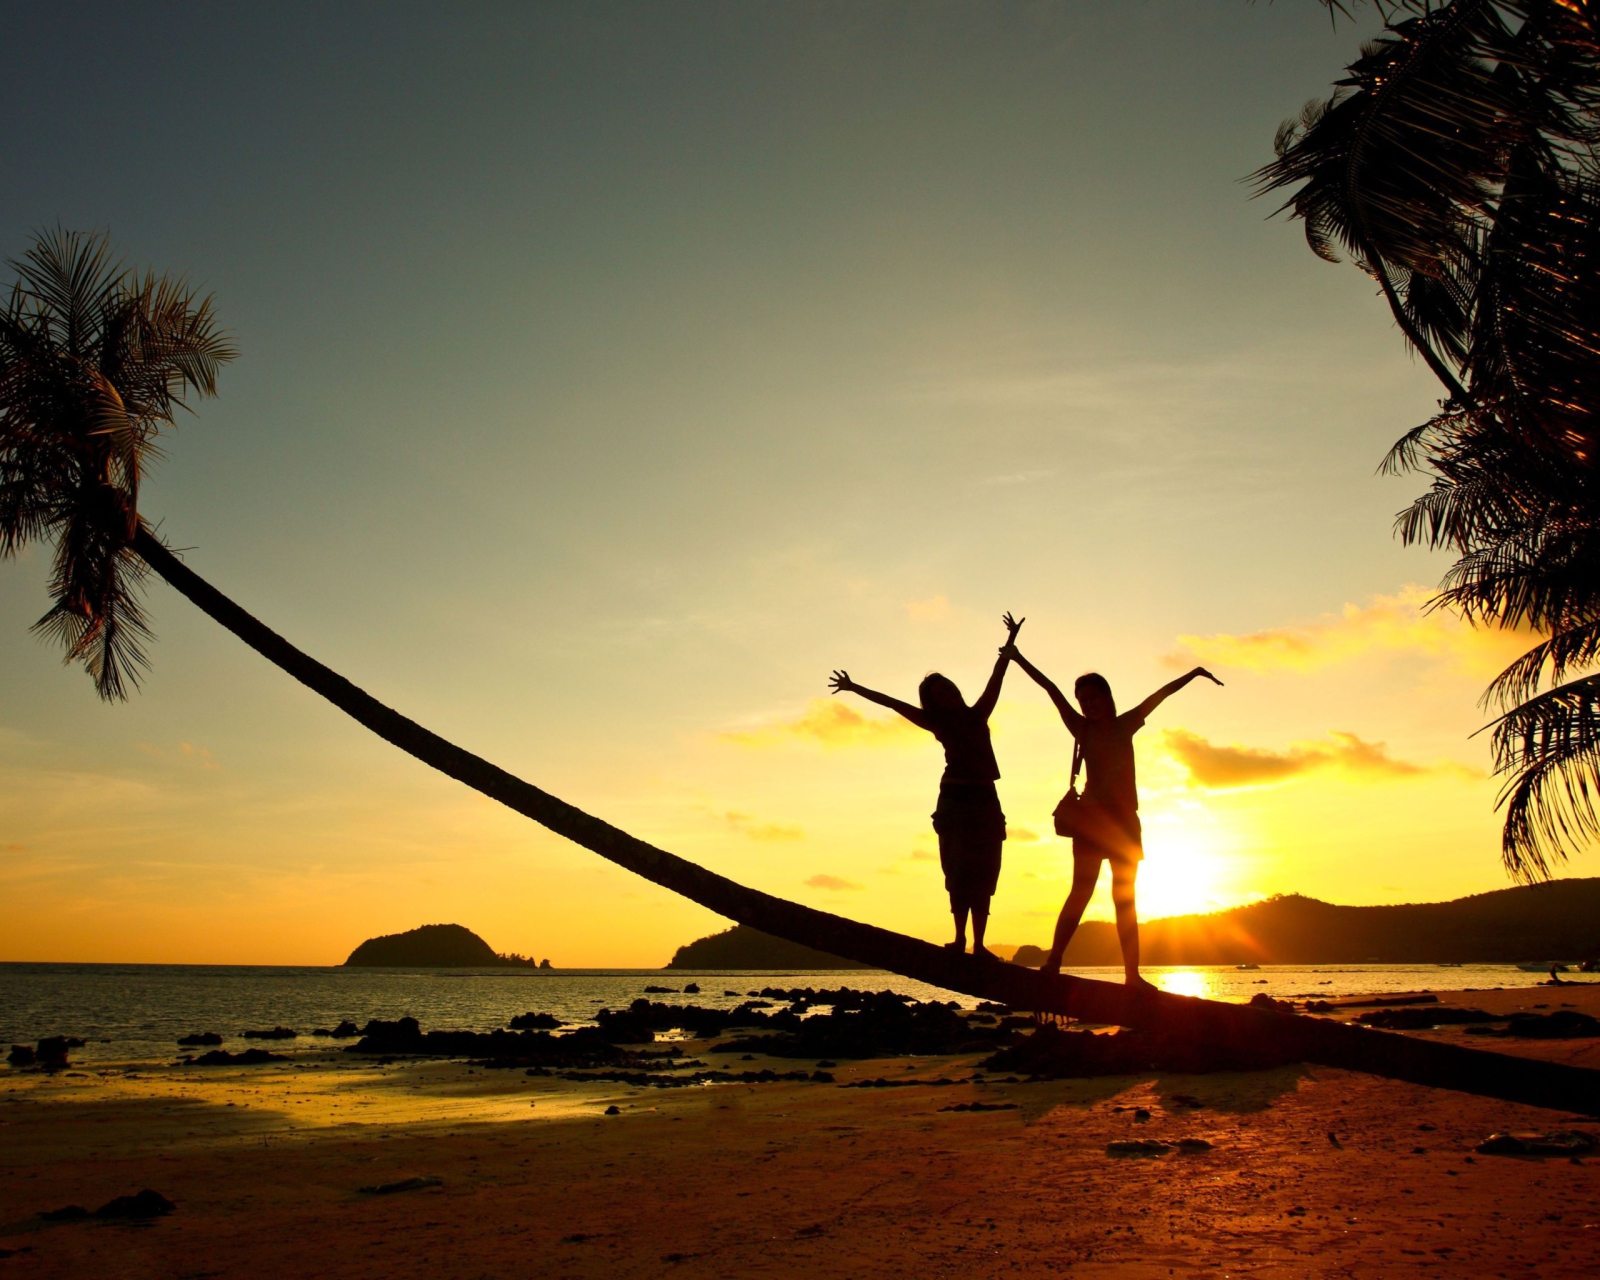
[(1123, 873), (980, 924), (958, 909), (1085, 872)]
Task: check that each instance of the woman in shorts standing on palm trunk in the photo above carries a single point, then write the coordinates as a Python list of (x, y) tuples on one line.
[(968, 819), (1111, 831)]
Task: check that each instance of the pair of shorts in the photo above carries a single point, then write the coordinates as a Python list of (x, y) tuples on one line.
[(971, 828), (1129, 849)]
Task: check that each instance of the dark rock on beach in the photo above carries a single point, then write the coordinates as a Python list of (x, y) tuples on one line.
[(51, 1052), (143, 1206), (587, 1046), (1564, 1024), (199, 1038), (244, 1058), (405, 1184), (1418, 1019), (534, 1022), (346, 1030), (21, 1055), (146, 1204), (277, 1033), (1571, 1142)]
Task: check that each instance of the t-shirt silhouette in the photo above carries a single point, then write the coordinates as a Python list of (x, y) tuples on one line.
[(1108, 757), (968, 752)]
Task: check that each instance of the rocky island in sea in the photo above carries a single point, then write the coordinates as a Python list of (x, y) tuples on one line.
[(742, 947), (436, 946)]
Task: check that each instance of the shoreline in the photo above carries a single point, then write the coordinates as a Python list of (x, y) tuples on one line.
[(1311, 1171)]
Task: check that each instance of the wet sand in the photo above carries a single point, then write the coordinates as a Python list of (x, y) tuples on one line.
[(1312, 1172)]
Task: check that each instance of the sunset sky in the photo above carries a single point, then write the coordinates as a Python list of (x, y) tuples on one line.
[(611, 372)]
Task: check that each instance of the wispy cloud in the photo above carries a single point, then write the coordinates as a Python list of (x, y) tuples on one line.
[(836, 883), (832, 724), (934, 609), (1021, 834), (1395, 624), (745, 825), (1219, 768)]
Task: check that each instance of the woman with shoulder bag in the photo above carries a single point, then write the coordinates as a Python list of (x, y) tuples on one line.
[(1104, 821)]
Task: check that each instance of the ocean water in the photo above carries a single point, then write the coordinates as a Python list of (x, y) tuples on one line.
[(135, 1012)]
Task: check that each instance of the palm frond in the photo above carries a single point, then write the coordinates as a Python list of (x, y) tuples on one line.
[(95, 363), (1550, 749)]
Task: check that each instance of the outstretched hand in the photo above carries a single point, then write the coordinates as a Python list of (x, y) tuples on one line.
[(840, 682), (1201, 671), (1013, 625)]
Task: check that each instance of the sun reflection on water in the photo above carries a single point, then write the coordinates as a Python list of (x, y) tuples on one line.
[(1184, 982)]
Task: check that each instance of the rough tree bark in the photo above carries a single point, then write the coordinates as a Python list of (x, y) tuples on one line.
[(1331, 1044)]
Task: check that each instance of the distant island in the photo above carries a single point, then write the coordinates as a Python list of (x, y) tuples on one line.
[(436, 946), (1559, 920), (742, 947)]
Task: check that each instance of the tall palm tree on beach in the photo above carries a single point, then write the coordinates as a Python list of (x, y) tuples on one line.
[(1457, 165), (95, 363)]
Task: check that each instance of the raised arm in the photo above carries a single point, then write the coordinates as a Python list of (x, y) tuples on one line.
[(984, 706), (1143, 710), (840, 682), (1070, 715)]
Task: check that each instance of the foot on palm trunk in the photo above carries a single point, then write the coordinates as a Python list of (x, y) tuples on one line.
[(981, 952)]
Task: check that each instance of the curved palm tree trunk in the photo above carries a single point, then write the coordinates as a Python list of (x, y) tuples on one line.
[(1313, 1040)]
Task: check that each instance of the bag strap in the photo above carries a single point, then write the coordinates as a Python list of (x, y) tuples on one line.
[(1077, 763)]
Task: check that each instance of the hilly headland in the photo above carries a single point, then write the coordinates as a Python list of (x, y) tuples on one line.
[(1555, 921)]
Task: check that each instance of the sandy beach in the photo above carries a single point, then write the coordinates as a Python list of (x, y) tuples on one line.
[(1311, 1172)]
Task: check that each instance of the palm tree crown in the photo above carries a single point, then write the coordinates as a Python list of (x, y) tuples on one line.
[(95, 361), (1458, 164)]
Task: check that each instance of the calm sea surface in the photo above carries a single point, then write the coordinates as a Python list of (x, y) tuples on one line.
[(136, 1012)]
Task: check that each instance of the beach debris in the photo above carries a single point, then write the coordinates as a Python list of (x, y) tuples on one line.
[(1138, 1147), (1193, 1146), (277, 1033), (1334, 1139), (691, 988), (1418, 1019), (1141, 1114), (531, 1021), (1261, 1000), (1563, 1024), (980, 1106), (244, 1058), (21, 1055), (1319, 1006), (144, 1205), (1566, 1142), (346, 1030), (199, 1038), (405, 1184), (661, 991), (613, 1110)]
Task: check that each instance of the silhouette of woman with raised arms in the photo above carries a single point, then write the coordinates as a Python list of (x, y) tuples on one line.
[(1110, 807), (968, 818)]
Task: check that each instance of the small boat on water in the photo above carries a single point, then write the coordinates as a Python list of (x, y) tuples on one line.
[(1546, 967), (1247, 968)]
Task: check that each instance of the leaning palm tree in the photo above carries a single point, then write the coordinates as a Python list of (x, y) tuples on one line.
[(1457, 165), (95, 363)]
